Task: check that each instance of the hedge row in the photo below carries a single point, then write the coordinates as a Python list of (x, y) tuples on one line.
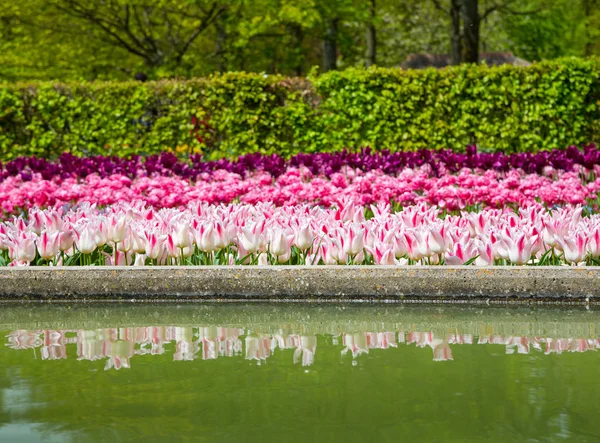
[(510, 109)]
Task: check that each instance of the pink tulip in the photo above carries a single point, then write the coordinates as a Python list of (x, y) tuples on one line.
[(329, 254), (574, 249), (186, 252), (66, 240), (486, 255), (154, 245), (48, 245), (206, 239), (352, 240), (412, 246), (593, 245), (477, 224), (284, 258), (117, 229), (519, 251), (101, 233), (280, 244), (223, 237), (182, 236), (3, 242), (460, 254), (127, 244), (138, 243), (53, 220), (170, 247), (119, 259), (18, 263), (399, 245), (36, 221), (423, 244), (437, 240), (263, 259), (382, 254), (337, 251), (304, 238), (86, 241), (251, 239), (24, 249)]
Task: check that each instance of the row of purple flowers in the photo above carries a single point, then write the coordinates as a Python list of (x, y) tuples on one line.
[(167, 164)]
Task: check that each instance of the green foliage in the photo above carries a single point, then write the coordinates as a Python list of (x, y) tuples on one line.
[(39, 42), (72, 40), (546, 105), (556, 28), (505, 108)]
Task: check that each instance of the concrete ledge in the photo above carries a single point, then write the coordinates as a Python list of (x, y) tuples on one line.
[(299, 282)]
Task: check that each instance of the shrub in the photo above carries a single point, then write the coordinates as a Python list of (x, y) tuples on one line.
[(507, 108)]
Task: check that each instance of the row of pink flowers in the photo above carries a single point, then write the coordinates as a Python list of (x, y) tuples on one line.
[(119, 345), (200, 234), (297, 186)]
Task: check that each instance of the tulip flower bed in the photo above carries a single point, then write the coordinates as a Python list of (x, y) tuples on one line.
[(450, 180), (238, 234), (440, 162), (468, 189)]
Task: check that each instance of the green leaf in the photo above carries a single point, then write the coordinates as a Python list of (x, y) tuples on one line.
[(471, 260)]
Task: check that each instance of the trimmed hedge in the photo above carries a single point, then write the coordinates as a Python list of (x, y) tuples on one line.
[(510, 109)]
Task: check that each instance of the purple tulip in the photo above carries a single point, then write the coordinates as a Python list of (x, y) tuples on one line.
[(167, 164)]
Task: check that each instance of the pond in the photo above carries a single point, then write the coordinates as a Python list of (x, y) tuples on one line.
[(293, 372)]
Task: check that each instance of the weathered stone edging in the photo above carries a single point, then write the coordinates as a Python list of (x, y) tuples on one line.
[(299, 282)]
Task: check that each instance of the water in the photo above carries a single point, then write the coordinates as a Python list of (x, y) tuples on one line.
[(301, 373)]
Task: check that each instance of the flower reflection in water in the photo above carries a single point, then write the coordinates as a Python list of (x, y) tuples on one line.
[(218, 341), (360, 343), (119, 345), (440, 346)]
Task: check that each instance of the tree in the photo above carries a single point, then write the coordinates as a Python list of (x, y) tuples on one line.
[(471, 19), (157, 31), (455, 34), (334, 15), (276, 36), (592, 23), (465, 46), (330, 44), (456, 37), (114, 39), (371, 35), (38, 42), (221, 42), (553, 28)]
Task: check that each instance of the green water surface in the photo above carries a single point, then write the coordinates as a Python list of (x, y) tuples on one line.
[(298, 373)]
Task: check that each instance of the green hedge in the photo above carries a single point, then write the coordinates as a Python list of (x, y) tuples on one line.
[(546, 105)]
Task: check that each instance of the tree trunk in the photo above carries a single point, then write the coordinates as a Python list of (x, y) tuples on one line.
[(471, 30), (297, 38), (455, 37), (588, 6), (330, 46), (220, 43), (371, 36)]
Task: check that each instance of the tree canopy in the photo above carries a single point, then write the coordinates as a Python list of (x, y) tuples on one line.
[(115, 39)]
